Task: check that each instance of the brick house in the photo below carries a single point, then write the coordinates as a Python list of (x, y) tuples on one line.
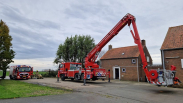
[(125, 62), (172, 50)]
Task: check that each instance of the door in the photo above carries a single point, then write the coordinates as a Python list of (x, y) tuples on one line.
[(71, 73), (116, 73)]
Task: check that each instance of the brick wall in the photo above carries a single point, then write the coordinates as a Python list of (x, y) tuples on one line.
[(131, 69), (176, 61)]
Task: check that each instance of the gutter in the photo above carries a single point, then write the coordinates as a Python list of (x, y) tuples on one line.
[(172, 49), (137, 70), (118, 58), (163, 63)]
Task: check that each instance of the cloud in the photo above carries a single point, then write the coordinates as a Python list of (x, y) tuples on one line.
[(38, 63), (29, 44), (14, 14), (39, 27)]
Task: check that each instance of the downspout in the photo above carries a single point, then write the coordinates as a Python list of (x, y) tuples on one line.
[(163, 61), (137, 70)]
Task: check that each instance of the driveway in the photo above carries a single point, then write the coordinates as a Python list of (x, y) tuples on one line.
[(104, 92)]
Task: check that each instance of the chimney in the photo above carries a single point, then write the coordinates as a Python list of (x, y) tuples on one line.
[(110, 47), (143, 42)]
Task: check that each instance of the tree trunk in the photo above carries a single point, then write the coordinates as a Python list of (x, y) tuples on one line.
[(4, 74)]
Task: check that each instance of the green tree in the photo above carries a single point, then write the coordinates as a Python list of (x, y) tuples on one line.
[(6, 52), (74, 49)]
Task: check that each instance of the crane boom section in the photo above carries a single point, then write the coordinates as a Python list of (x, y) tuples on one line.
[(127, 19)]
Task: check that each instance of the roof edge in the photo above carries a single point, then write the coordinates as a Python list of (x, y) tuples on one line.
[(172, 49), (119, 58)]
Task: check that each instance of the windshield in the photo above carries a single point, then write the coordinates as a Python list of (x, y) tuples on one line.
[(24, 69)]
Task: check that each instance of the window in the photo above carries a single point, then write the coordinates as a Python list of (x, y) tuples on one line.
[(133, 61), (75, 66), (182, 62), (61, 65), (123, 69), (147, 58), (72, 66)]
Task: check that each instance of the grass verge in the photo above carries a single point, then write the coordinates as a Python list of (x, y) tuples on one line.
[(40, 72), (16, 89), (1, 73)]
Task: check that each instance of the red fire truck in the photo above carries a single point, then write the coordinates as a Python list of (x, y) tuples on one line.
[(21, 72), (70, 70), (75, 71)]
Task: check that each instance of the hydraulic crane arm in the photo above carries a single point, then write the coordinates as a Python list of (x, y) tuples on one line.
[(127, 19)]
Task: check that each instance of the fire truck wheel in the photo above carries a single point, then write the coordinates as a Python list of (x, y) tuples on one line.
[(76, 76), (11, 77), (14, 77), (82, 76), (62, 77), (93, 79)]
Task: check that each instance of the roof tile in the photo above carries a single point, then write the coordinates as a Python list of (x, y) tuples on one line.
[(173, 38), (130, 51)]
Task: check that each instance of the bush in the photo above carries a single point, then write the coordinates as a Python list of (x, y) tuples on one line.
[(50, 74)]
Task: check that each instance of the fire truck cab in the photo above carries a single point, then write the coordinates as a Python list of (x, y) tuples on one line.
[(21, 72)]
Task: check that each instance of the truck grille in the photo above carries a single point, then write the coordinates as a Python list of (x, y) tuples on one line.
[(24, 75)]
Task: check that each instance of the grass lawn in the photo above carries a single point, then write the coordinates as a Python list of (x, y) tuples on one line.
[(16, 89), (7, 73), (1, 72)]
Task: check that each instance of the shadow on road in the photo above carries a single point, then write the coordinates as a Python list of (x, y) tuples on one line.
[(90, 82), (162, 91)]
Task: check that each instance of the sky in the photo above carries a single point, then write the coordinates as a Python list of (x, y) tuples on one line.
[(38, 27)]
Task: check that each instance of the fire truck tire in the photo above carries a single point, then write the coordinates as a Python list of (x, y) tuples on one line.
[(76, 76), (14, 77), (62, 77), (82, 76), (11, 77), (93, 79), (153, 74)]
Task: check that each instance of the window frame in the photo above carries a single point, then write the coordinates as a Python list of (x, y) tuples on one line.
[(133, 61), (148, 60), (123, 70), (72, 66), (182, 63)]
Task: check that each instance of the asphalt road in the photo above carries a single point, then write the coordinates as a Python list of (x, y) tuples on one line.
[(103, 92)]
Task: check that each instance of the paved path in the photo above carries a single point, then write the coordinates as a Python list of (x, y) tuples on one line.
[(7, 77), (68, 84), (103, 92)]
